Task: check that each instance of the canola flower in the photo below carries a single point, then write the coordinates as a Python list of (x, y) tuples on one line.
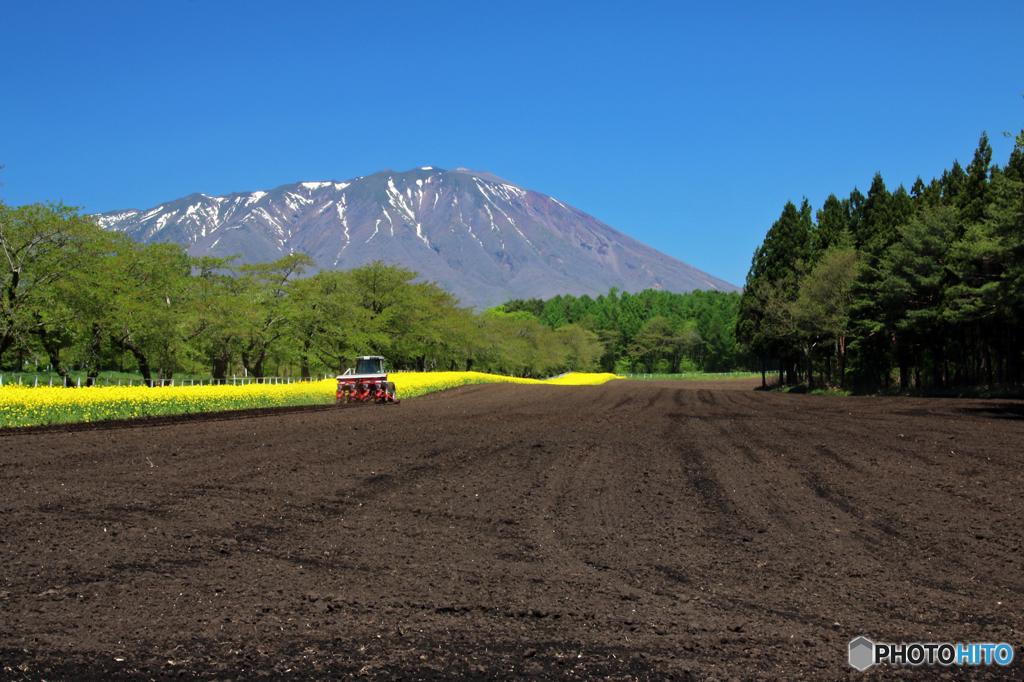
[(412, 384), (26, 406)]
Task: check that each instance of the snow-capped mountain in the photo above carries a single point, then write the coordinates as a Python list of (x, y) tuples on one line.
[(482, 238)]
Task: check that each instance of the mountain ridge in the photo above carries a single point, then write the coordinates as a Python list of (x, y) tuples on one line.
[(483, 238)]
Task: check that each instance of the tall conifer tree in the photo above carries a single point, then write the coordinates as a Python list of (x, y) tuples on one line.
[(973, 198)]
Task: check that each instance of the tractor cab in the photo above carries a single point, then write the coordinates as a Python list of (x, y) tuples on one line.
[(370, 364), (368, 383)]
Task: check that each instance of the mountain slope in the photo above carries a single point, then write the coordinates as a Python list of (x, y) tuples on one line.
[(482, 238)]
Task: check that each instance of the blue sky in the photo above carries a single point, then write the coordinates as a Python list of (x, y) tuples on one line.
[(685, 127)]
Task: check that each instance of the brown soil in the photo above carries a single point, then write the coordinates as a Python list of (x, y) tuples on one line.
[(646, 530)]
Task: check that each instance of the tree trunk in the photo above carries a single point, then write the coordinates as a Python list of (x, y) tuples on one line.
[(872, 358), (1000, 361), (842, 363), (6, 341), (986, 361), (221, 362), (52, 349), (947, 379), (304, 358), (1011, 360), (904, 370), (9, 337), (962, 365), (95, 348), (140, 357), (828, 366), (253, 362)]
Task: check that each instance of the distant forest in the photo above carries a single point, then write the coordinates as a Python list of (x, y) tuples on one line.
[(651, 331), (896, 290)]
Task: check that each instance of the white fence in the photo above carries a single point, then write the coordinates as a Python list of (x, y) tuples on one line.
[(48, 381)]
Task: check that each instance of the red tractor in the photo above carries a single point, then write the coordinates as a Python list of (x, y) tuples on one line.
[(369, 382)]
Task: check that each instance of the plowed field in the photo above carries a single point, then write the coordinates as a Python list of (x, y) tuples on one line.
[(632, 530)]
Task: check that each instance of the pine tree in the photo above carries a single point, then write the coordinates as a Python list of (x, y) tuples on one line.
[(918, 189), (876, 220), (1004, 223), (1015, 166), (772, 282), (901, 208), (973, 198), (926, 195), (868, 320), (833, 223), (855, 211), (952, 182), (912, 279)]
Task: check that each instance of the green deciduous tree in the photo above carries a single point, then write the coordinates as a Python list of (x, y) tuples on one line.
[(51, 255), (823, 306), (583, 349), (265, 287), (140, 304)]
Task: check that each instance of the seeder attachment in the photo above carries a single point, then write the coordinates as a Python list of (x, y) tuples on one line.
[(369, 383)]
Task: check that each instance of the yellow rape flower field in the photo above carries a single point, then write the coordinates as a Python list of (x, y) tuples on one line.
[(25, 406), (412, 384)]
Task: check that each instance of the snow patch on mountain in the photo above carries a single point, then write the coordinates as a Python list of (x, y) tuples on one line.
[(162, 221), (152, 213)]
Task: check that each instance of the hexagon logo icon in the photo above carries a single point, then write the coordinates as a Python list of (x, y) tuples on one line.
[(862, 653)]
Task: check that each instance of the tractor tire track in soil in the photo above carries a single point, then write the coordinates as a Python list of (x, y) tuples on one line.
[(651, 530)]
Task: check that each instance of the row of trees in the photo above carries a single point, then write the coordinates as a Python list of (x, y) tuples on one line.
[(73, 295), (651, 331), (921, 289)]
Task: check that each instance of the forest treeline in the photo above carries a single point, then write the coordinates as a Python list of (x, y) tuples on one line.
[(908, 290), (76, 297), (650, 331)]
